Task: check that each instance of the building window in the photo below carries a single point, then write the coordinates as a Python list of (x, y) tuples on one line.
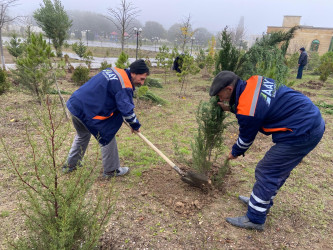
[(314, 45)]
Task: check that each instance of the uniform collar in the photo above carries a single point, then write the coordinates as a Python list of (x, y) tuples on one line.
[(129, 77)]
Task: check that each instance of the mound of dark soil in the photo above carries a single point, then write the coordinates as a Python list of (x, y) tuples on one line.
[(313, 84), (307, 93)]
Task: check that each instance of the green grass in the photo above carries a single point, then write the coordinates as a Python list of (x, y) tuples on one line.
[(302, 212), (325, 107), (4, 214)]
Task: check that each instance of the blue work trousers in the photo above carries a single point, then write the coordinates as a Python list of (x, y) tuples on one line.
[(274, 169), (300, 72)]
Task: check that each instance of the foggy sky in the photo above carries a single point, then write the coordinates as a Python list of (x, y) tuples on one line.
[(213, 15)]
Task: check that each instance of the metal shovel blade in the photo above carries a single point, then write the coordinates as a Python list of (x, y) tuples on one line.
[(195, 179)]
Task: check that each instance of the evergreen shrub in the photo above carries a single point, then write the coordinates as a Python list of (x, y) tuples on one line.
[(122, 61), (61, 212), (313, 61), (208, 142), (145, 94), (4, 84), (152, 82), (105, 65), (80, 75), (325, 68), (35, 68)]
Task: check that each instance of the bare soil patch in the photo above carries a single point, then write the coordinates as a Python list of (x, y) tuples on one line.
[(307, 93), (200, 88), (157, 71), (173, 193), (313, 84)]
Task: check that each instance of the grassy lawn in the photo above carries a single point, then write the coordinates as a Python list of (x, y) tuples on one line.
[(156, 210)]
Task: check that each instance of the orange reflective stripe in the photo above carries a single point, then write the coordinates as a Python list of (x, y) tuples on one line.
[(248, 99), (98, 117), (123, 77), (271, 130)]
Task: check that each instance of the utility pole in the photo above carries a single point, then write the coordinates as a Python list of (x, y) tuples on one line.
[(137, 33)]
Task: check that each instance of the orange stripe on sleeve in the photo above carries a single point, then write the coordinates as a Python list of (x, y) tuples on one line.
[(271, 130), (98, 117)]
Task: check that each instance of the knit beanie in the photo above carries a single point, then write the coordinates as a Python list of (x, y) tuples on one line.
[(222, 80), (139, 67)]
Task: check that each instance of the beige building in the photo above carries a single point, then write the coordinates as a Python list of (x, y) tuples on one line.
[(311, 38)]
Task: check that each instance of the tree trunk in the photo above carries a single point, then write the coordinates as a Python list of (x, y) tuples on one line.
[(1, 50), (122, 41)]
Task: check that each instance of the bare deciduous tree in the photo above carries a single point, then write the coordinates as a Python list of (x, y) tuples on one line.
[(5, 5), (238, 34), (26, 30), (186, 32), (122, 17)]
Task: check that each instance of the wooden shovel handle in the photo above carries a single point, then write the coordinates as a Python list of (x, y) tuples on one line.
[(155, 149), (173, 165)]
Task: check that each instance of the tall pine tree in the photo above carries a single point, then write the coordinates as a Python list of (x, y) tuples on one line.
[(227, 58), (54, 21)]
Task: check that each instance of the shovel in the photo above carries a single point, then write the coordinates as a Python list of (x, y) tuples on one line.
[(191, 178)]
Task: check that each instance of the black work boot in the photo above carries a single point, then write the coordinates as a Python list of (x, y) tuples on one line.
[(244, 222)]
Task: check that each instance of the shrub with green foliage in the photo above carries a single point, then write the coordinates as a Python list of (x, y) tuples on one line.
[(292, 61), (200, 59), (54, 21), (313, 60), (325, 68), (79, 48), (61, 212), (15, 47), (4, 84), (208, 141), (188, 67), (205, 62), (227, 58), (267, 57), (105, 65), (152, 82), (144, 93), (122, 61), (325, 107), (88, 57), (164, 60), (34, 68), (80, 75)]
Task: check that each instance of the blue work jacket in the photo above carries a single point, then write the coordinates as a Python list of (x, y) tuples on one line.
[(103, 102), (264, 106)]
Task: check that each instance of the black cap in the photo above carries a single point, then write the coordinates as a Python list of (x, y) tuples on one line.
[(139, 67), (302, 49), (222, 80)]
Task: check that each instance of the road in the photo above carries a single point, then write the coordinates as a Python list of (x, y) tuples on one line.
[(96, 62)]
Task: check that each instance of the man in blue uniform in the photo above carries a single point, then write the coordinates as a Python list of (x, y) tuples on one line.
[(295, 123), (99, 107), (302, 61)]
